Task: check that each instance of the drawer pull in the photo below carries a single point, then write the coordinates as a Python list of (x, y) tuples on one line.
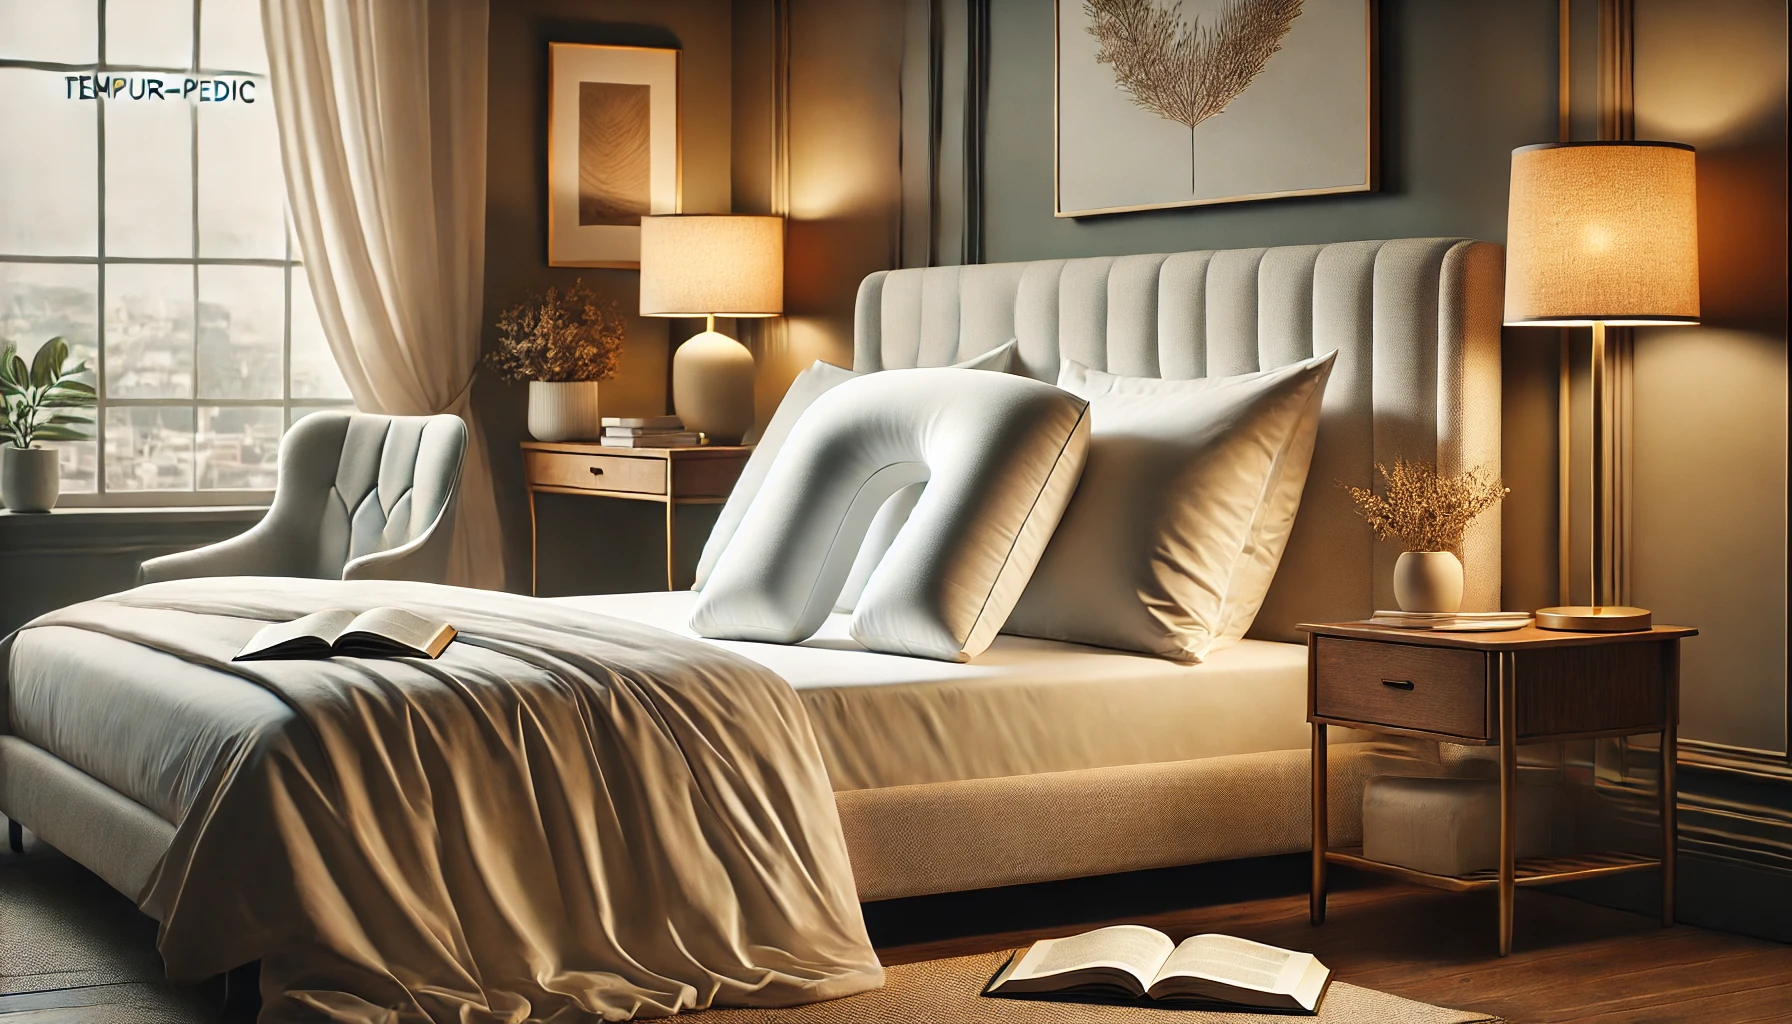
[(597, 471), (1398, 684)]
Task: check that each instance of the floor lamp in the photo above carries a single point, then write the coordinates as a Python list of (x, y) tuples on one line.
[(1601, 234)]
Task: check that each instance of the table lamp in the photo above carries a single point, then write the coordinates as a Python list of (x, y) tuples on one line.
[(712, 265), (1598, 234)]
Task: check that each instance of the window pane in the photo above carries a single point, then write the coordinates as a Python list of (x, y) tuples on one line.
[(63, 32), (242, 331), (314, 370), (298, 412), (149, 178), (149, 333), (149, 448), (49, 191), (40, 301), (80, 464), (150, 33), (242, 190), (238, 447), (230, 36)]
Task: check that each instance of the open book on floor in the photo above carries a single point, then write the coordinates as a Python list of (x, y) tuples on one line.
[(374, 633), (1128, 962)]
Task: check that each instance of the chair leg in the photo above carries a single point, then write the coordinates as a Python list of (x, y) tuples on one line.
[(15, 836)]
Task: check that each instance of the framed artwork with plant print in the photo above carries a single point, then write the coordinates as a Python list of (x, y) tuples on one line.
[(613, 150), (1164, 103)]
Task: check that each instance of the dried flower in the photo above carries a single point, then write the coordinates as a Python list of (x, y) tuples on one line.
[(1422, 508), (555, 337)]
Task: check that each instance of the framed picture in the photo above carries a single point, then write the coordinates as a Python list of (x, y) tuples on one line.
[(613, 150), (1165, 103)]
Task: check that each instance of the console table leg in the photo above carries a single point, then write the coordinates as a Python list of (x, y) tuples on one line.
[(1670, 812), (1316, 909), (1508, 800)]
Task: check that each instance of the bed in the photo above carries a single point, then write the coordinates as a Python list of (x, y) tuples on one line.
[(1038, 760)]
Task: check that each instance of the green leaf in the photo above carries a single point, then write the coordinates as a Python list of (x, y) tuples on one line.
[(21, 374), (46, 366), (45, 432), (64, 418), (78, 387)]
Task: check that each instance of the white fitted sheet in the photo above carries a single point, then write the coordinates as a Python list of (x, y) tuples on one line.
[(1022, 707), (143, 723)]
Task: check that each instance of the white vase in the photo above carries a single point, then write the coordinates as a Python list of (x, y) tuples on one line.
[(564, 411), (1428, 581), (30, 478), (712, 386)]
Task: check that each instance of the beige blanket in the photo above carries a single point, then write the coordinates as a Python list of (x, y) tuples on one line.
[(565, 815)]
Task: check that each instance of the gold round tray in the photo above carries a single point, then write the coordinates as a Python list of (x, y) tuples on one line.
[(1594, 619)]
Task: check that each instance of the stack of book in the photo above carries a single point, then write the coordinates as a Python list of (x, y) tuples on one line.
[(1453, 622), (648, 432)]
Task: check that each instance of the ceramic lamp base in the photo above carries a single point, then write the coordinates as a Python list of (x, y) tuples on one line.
[(1594, 619), (712, 386)]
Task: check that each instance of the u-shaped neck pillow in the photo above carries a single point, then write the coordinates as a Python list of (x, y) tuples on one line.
[(1000, 454)]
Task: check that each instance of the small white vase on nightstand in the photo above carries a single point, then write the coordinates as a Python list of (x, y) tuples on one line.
[(712, 386), (1428, 581), (564, 410)]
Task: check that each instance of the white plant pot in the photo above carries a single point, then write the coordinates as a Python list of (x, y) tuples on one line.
[(30, 478), (712, 386), (1428, 581), (564, 411)]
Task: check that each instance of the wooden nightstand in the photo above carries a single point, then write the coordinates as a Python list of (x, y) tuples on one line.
[(1501, 689), (671, 476)]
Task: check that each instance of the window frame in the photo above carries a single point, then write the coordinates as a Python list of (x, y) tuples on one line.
[(100, 497)]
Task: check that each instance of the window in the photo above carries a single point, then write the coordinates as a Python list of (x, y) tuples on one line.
[(142, 217)]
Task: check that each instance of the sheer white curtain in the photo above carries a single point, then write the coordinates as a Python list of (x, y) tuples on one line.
[(381, 106)]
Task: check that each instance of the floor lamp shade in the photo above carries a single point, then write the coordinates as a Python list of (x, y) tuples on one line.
[(1598, 234), (712, 265), (1602, 232)]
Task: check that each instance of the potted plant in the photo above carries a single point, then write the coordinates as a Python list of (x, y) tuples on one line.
[(1427, 512), (563, 344), (34, 404)]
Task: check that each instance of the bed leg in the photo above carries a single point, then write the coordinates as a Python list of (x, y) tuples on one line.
[(242, 992), (15, 836)]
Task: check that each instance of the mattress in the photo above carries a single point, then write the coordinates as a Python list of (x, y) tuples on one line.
[(153, 733)]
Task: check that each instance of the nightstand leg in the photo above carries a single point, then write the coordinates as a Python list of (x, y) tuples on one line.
[(1508, 799), (1316, 908), (1670, 813), (534, 546), (671, 545)]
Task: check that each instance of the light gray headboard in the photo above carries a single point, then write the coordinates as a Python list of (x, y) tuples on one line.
[(1416, 322)]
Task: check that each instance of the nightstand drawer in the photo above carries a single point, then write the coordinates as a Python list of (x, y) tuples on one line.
[(1431, 689), (595, 472)]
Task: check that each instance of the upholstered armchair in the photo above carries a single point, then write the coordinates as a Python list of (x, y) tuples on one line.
[(358, 497)]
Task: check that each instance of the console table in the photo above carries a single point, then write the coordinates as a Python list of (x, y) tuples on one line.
[(700, 475), (1500, 689)]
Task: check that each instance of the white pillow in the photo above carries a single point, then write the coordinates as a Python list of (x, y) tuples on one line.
[(809, 385), (1183, 511), (1001, 455)]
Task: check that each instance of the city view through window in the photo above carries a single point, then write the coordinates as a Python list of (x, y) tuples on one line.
[(142, 217)]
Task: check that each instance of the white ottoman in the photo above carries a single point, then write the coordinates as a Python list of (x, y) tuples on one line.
[(1452, 826)]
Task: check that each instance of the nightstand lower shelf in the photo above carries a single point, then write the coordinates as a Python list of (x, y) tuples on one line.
[(1529, 871)]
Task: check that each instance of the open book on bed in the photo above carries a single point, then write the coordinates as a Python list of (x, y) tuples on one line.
[(374, 633), (1130, 962)]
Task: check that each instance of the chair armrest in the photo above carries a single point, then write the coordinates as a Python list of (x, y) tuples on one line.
[(258, 551), (424, 560)]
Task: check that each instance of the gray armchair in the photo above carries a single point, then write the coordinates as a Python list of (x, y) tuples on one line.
[(358, 497)]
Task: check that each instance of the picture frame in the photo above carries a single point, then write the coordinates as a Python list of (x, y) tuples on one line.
[(1305, 123), (615, 151)]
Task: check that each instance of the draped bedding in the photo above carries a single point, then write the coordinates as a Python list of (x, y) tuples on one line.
[(565, 815)]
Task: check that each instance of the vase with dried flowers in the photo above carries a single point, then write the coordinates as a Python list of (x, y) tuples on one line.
[(1428, 512), (563, 343)]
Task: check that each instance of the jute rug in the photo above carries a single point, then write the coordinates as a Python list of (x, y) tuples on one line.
[(945, 992)]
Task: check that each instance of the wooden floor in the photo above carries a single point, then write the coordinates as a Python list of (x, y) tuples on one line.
[(73, 950), (1572, 961)]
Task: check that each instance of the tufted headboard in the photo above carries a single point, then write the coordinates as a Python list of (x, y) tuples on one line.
[(1416, 322)]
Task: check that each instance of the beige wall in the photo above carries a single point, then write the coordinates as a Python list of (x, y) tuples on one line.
[(1710, 432)]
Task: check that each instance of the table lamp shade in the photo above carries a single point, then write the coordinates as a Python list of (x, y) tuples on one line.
[(1602, 231), (712, 265)]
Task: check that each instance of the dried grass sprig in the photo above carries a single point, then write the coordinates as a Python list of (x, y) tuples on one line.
[(1423, 509), (559, 337)]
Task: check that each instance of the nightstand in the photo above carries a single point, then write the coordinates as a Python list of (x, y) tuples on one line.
[(1496, 689), (700, 475)]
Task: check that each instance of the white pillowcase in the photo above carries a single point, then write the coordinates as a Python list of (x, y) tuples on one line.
[(1186, 503), (1001, 455), (809, 385)]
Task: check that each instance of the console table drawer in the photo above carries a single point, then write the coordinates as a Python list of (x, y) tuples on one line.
[(1431, 689), (596, 472)]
